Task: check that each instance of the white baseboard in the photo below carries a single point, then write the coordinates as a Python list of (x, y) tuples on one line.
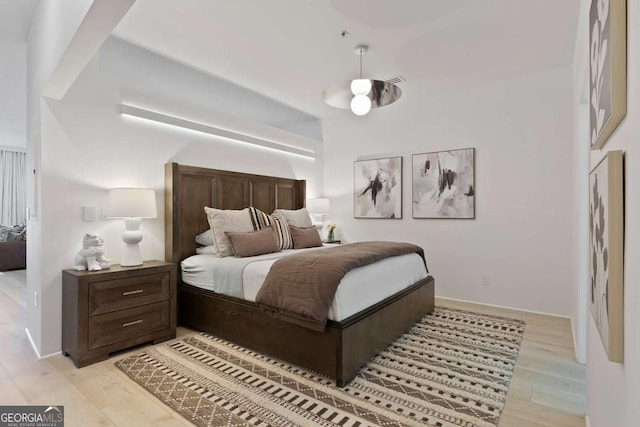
[(587, 421), (576, 352), (505, 307), (575, 341), (35, 349), (33, 345)]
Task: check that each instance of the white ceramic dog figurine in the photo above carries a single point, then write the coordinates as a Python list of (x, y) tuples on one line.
[(91, 256)]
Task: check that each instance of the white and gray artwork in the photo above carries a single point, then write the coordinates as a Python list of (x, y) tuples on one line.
[(600, 66), (444, 184), (606, 252), (377, 188), (598, 244), (607, 68)]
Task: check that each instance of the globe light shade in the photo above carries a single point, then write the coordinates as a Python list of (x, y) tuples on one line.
[(361, 86), (360, 105)]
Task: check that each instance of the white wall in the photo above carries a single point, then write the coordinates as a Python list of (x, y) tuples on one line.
[(13, 93), (88, 147), (52, 28), (613, 390), (521, 237), (580, 239)]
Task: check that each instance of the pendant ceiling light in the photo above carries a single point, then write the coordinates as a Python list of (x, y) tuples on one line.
[(361, 95), (361, 103)]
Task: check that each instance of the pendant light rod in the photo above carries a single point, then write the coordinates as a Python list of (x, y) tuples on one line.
[(361, 49)]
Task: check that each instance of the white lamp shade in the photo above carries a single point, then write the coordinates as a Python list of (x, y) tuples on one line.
[(360, 105), (132, 203), (361, 86), (319, 206)]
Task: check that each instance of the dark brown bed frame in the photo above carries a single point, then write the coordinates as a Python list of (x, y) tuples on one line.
[(342, 348)]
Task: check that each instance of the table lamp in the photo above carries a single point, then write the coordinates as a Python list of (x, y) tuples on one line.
[(317, 209), (132, 204)]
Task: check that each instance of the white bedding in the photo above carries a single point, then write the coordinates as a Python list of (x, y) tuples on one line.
[(360, 288)]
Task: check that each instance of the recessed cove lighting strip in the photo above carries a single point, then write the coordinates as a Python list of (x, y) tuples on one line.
[(153, 116)]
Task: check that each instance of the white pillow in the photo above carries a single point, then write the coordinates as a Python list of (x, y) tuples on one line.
[(205, 238), (207, 250), (4, 233), (227, 220), (296, 218)]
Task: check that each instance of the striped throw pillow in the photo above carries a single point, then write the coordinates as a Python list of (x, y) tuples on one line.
[(259, 219), (283, 234), (262, 220)]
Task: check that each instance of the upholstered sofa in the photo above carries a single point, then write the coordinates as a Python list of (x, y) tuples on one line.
[(13, 248), (13, 255)]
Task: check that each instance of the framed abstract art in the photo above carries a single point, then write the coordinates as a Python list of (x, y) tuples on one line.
[(606, 252), (607, 68), (377, 187), (443, 184)]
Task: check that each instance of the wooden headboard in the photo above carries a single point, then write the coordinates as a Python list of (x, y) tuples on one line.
[(189, 189)]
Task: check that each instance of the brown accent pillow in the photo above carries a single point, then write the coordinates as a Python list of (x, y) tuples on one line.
[(253, 242), (307, 237)]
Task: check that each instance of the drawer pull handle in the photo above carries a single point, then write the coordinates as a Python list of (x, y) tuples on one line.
[(137, 291), (135, 322)]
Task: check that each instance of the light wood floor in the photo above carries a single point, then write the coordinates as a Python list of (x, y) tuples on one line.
[(548, 385), (547, 388)]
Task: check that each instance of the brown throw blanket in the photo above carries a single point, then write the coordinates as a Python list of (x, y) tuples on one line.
[(300, 288)]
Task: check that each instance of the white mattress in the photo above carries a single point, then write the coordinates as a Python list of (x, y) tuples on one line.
[(359, 289)]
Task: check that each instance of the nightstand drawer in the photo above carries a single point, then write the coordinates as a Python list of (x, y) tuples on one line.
[(112, 295), (110, 328)]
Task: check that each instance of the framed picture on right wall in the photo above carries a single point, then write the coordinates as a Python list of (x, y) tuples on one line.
[(607, 68), (606, 252)]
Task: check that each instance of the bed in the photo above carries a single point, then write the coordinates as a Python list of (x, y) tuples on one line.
[(342, 348)]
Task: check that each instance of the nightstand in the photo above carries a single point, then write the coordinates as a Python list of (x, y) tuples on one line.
[(331, 242), (109, 310)]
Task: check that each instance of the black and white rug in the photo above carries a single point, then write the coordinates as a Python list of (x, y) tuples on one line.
[(451, 369)]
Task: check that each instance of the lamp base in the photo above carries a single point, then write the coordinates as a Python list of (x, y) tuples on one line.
[(316, 221), (131, 256)]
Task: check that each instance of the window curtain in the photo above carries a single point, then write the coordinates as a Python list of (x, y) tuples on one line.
[(13, 187)]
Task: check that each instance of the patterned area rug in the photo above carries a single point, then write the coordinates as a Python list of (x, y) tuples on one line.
[(451, 369)]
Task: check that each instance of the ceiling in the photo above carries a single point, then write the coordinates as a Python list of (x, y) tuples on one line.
[(290, 50), (15, 18)]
